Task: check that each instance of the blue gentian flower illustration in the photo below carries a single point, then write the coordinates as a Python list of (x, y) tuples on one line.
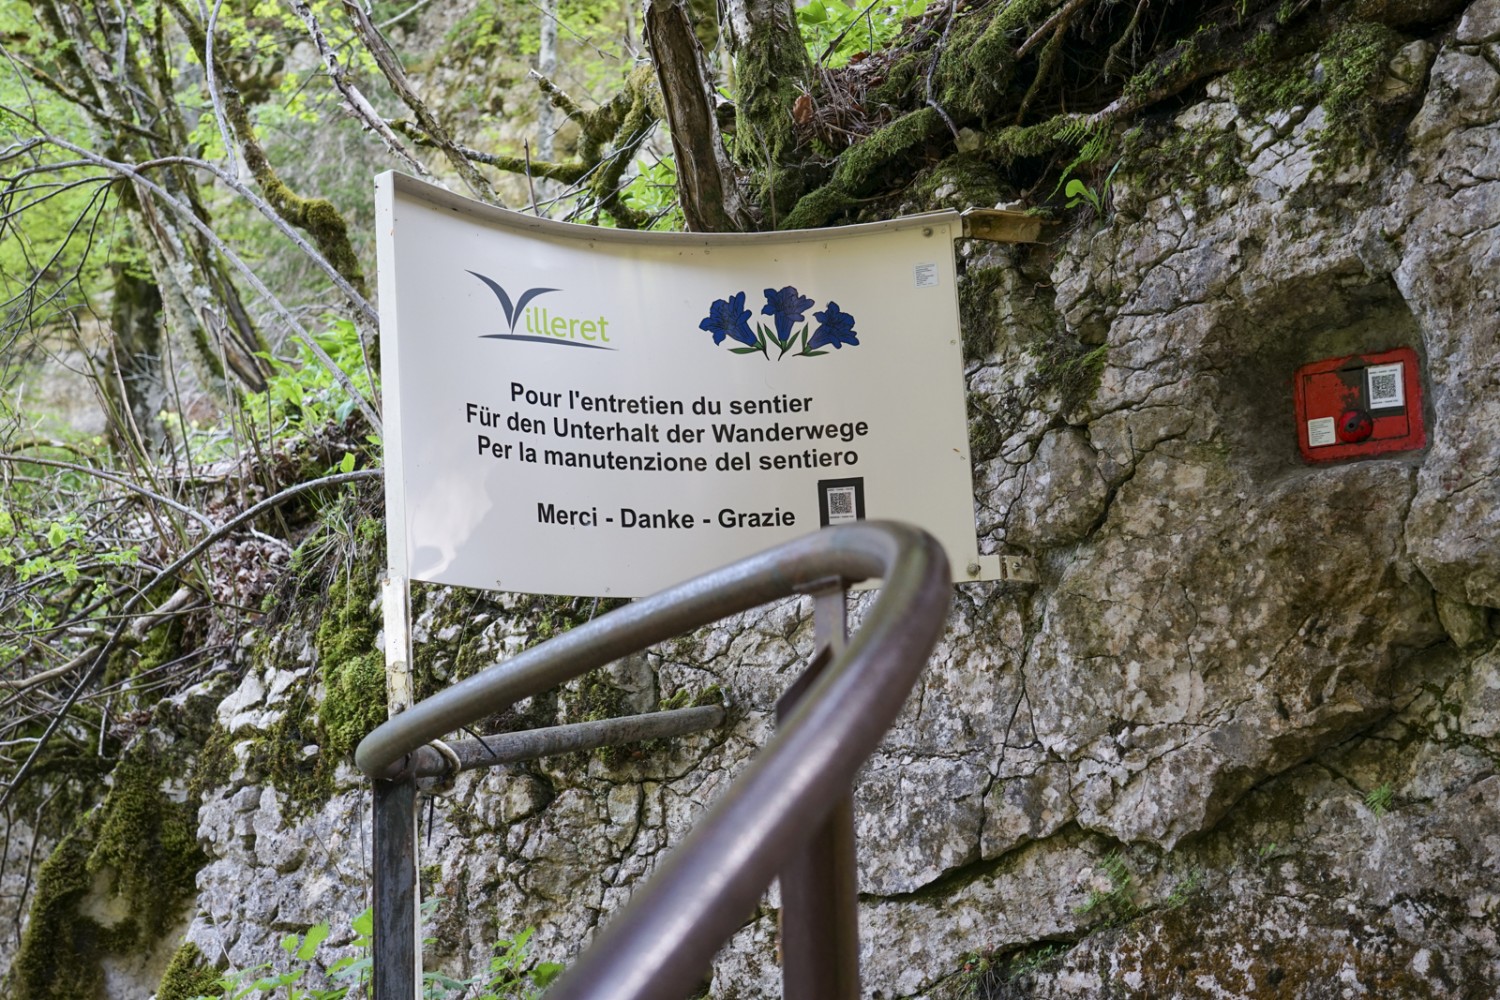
[(789, 307), (835, 328), (728, 318)]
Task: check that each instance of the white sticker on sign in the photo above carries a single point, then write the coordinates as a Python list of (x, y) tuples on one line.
[(1321, 432), (1386, 388), (927, 275)]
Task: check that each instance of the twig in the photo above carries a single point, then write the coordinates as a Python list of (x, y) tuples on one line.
[(110, 477), (212, 19), (567, 173), (1062, 14), (847, 28), (358, 105), (937, 52), (390, 65), (408, 12), (134, 173)]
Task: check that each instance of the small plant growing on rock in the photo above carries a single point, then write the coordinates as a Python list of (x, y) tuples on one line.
[(508, 977), (1379, 800), (1118, 901)]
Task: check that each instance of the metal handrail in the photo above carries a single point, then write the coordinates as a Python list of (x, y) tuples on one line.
[(665, 940)]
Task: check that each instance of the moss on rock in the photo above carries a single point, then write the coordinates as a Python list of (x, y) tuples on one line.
[(139, 850), (58, 958), (147, 845), (351, 665), (188, 975)]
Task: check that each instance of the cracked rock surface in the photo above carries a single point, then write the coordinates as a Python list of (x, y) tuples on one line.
[(1240, 738)]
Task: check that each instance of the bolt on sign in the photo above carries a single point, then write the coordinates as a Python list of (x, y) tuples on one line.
[(1352, 407), (574, 410)]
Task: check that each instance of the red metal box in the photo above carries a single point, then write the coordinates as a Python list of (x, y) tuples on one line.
[(1365, 404)]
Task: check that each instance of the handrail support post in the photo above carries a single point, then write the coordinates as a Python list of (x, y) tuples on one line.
[(819, 912), (396, 969)]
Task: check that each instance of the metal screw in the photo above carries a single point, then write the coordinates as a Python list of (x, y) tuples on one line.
[(973, 569)]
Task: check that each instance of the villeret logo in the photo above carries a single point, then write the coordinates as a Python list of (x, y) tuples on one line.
[(544, 326)]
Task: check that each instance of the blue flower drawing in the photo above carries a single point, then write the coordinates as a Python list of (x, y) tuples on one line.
[(728, 319), (788, 307), (835, 328)]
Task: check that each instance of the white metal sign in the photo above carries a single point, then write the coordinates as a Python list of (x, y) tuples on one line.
[(571, 410)]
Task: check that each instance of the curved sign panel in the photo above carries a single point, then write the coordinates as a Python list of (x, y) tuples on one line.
[(574, 410)]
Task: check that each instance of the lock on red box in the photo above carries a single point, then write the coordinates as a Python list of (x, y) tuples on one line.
[(1365, 404)]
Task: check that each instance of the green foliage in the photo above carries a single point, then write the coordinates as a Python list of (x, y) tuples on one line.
[(1035, 959), (653, 193), (851, 30), (1184, 890), (44, 554), (511, 974), (1093, 146), (302, 396), (1079, 193)]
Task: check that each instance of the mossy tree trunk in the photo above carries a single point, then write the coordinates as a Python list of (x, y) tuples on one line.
[(771, 71)]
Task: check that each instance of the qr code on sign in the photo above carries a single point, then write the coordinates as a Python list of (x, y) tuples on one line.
[(841, 501), (1385, 388), (841, 505)]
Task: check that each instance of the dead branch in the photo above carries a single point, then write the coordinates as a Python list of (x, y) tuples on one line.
[(358, 106), (390, 65)]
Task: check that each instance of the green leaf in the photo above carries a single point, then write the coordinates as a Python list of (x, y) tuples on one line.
[(546, 972), (745, 350), (318, 932), (364, 924), (346, 464), (1075, 188)]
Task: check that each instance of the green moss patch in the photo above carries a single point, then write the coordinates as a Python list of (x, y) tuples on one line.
[(148, 846), (58, 959), (140, 848), (351, 665), (188, 975)]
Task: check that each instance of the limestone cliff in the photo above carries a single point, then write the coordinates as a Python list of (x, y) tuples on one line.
[(1241, 737)]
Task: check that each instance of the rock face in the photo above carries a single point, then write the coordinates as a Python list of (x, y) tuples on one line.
[(1240, 739)]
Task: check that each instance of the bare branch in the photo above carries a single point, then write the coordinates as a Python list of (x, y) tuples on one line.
[(358, 105), (390, 65), (211, 73)]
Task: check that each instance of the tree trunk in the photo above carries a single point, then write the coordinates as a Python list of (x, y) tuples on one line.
[(708, 182)]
